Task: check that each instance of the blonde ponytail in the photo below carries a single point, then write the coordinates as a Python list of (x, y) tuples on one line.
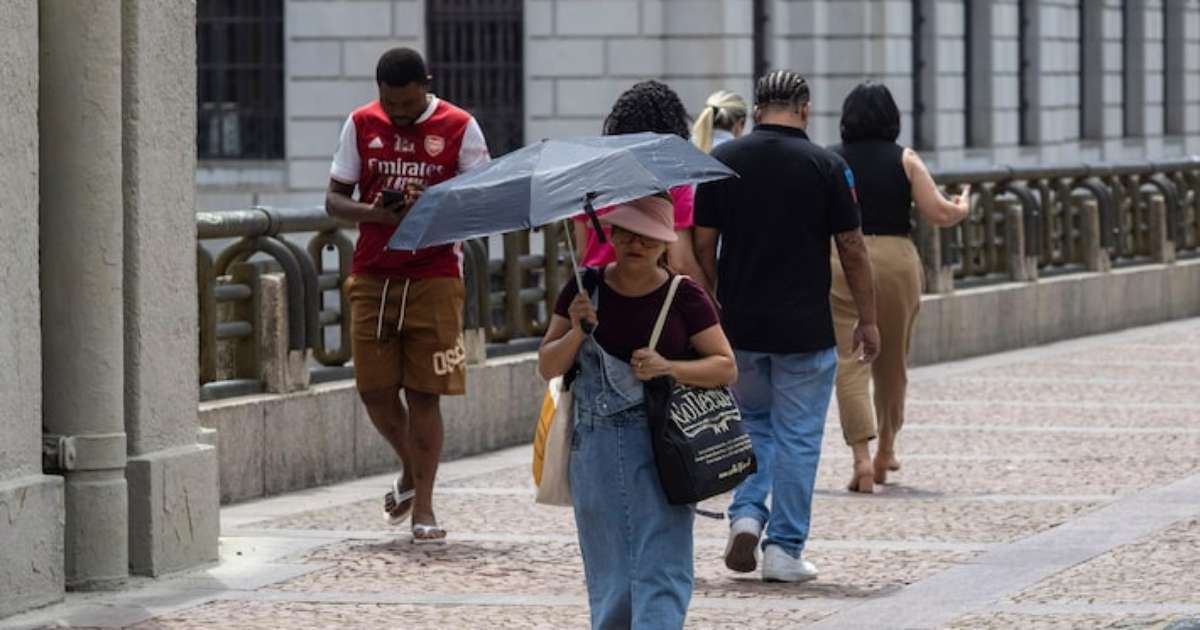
[(702, 129), (723, 109)]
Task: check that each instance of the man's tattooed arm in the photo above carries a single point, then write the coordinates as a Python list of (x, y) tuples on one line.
[(852, 251)]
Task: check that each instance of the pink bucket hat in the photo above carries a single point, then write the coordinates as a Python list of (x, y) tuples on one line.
[(652, 217)]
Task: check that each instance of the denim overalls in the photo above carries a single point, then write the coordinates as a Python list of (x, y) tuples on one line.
[(637, 548)]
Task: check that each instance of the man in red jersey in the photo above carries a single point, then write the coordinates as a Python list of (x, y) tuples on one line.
[(405, 306)]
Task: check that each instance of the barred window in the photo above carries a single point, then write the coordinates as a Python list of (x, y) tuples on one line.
[(239, 79), (476, 53)]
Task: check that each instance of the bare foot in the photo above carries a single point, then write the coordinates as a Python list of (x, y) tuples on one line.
[(884, 462), (863, 479)]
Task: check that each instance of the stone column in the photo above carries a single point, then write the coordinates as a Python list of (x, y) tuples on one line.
[(173, 491), (1020, 269), (1094, 254), (1162, 249), (81, 255), (31, 530), (939, 277)]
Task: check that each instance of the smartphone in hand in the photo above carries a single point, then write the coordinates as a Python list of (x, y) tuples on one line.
[(393, 197)]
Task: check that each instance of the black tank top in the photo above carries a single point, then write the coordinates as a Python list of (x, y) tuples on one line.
[(884, 193)]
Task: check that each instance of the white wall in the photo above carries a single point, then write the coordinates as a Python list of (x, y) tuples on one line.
[(581, 54), (837, 44), (1192, 90), (330, 51)]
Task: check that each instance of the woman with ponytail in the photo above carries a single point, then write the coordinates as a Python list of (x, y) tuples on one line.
[(723, 118)]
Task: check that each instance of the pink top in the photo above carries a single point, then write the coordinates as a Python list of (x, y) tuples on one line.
[(596, 254)]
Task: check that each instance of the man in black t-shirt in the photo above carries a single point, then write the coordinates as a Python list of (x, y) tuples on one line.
[(774, 223)]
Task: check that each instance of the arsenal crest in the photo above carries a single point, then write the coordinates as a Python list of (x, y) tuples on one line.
[(434, 145)]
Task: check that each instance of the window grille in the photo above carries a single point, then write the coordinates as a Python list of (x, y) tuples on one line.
[(475, 54), (239, 79)]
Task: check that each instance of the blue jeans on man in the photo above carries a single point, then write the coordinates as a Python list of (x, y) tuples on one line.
[(784, 399)]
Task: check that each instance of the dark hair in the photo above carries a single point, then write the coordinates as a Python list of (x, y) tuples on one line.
[(648, 106), (400, 66), (781, 87), (870, 113)]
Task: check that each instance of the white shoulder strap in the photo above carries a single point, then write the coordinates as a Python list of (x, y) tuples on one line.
[(666, 308)]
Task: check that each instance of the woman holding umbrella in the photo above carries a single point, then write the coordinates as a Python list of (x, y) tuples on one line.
[(637, 548), (649, 106)]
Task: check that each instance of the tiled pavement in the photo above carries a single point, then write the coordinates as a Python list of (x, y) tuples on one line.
[(1056, 487)]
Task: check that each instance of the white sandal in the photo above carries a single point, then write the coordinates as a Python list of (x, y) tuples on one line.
[(423, 534), (398, 498)]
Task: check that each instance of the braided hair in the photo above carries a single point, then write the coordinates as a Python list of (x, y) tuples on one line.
[(648, 106), (781, 87)]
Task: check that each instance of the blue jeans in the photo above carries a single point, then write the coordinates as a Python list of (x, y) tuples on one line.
[(783, 399)]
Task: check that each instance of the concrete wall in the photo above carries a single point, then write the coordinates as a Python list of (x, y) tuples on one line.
[(272, 444), (993, 319), (31, 504)]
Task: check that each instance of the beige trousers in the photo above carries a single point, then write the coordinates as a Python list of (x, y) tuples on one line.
[(897, 270)]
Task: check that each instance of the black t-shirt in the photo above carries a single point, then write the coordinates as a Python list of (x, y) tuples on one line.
[(776, 221), (627, 322)]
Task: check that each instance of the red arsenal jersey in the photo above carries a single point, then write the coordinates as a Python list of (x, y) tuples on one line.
[(374, 154)]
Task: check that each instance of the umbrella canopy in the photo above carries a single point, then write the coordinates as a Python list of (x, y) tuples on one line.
[(550, 181)]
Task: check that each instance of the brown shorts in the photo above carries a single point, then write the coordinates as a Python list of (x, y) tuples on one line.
[(421, 349)]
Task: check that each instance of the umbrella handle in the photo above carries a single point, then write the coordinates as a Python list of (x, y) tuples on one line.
[(590, 211), (587, 326)]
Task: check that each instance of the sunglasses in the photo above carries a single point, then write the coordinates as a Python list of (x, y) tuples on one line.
[(625, 237)]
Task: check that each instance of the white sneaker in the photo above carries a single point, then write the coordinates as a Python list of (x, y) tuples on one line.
[(778, 566), (741, 552)]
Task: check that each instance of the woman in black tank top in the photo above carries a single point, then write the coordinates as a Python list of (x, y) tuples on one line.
[(889, 178)]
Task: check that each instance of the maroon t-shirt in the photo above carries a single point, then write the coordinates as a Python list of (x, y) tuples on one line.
[(626, 322)]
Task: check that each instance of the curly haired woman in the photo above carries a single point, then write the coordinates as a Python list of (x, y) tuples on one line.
[(655, 107)]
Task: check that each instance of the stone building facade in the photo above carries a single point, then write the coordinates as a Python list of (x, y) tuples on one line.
[(979, 81), (103, 471)]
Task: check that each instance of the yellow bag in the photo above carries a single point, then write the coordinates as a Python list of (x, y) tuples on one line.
[(549, 403), (552, 446)]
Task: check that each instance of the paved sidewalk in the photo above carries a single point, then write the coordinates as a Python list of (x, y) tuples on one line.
[(1057, 487)]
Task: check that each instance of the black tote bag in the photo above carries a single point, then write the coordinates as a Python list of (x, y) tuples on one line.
[(701, 448)]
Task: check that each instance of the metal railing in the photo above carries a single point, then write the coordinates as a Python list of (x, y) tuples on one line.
[(1049, 211), (1024, 222), (507, 297)]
